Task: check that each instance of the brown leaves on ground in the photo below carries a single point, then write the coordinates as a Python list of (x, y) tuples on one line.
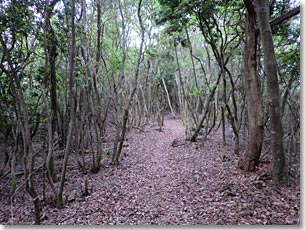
[(166, 180)]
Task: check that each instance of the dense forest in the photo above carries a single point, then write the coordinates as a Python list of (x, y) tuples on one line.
[(149, 112)]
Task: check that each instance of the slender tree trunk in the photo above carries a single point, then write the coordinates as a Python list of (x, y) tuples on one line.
[(184, 101), (48, 160), (97, 110), (118, 86), (223, 122), (254, 102), (232, 113), (180, 85), (279, 170), (199, 102), (168, 98), (22, 114), (51, 48), (71, 109), (52, 60), (13, 168), (206, 110), (50, 57), (118, 148), (80, 129)]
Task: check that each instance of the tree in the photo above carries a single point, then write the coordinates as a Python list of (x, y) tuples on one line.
[(279, 170), (252, 84), (87, 73), (221, 40), (253, 94), (15, 57), (121, 132)]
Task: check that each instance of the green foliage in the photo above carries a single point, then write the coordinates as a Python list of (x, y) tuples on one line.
[(287, 48), (278, 8), (197, 92), (61, 30), (212, 85), (16, 18), (152, 52)]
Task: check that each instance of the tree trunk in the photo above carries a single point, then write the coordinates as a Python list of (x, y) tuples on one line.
[(71, 109), (51, 48), (50, 58), (49, 164), (168, 98), (121, 135), (22, 115), (279, 171), (223, 122), (253, 98), (206, 110)]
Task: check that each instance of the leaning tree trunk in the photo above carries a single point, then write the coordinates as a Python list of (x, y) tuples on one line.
[(119, 145), (206, 110), (279, 171), (253, 98)]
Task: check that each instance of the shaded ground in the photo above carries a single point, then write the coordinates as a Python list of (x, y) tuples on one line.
[(166, 180)]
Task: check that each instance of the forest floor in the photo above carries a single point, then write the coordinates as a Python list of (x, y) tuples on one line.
[(164, 179)]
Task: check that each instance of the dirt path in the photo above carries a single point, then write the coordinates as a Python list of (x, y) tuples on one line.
[(156, 183), (165, 180)]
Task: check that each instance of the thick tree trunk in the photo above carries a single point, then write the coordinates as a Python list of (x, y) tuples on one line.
[(253, 98), (279, 171)]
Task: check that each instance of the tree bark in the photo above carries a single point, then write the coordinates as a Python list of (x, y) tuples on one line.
[(22, 115), (254, 102), (206, 110), (119, 145), (279, 171), (51, 49), (168, 98), (286, 16), (50, 58), (71, 109)]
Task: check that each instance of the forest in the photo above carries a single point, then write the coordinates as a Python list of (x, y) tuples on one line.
[(150, 112)]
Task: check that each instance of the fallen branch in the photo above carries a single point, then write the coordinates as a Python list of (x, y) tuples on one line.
[(136, 127)]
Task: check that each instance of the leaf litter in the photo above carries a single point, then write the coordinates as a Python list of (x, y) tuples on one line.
[(165, 180)]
